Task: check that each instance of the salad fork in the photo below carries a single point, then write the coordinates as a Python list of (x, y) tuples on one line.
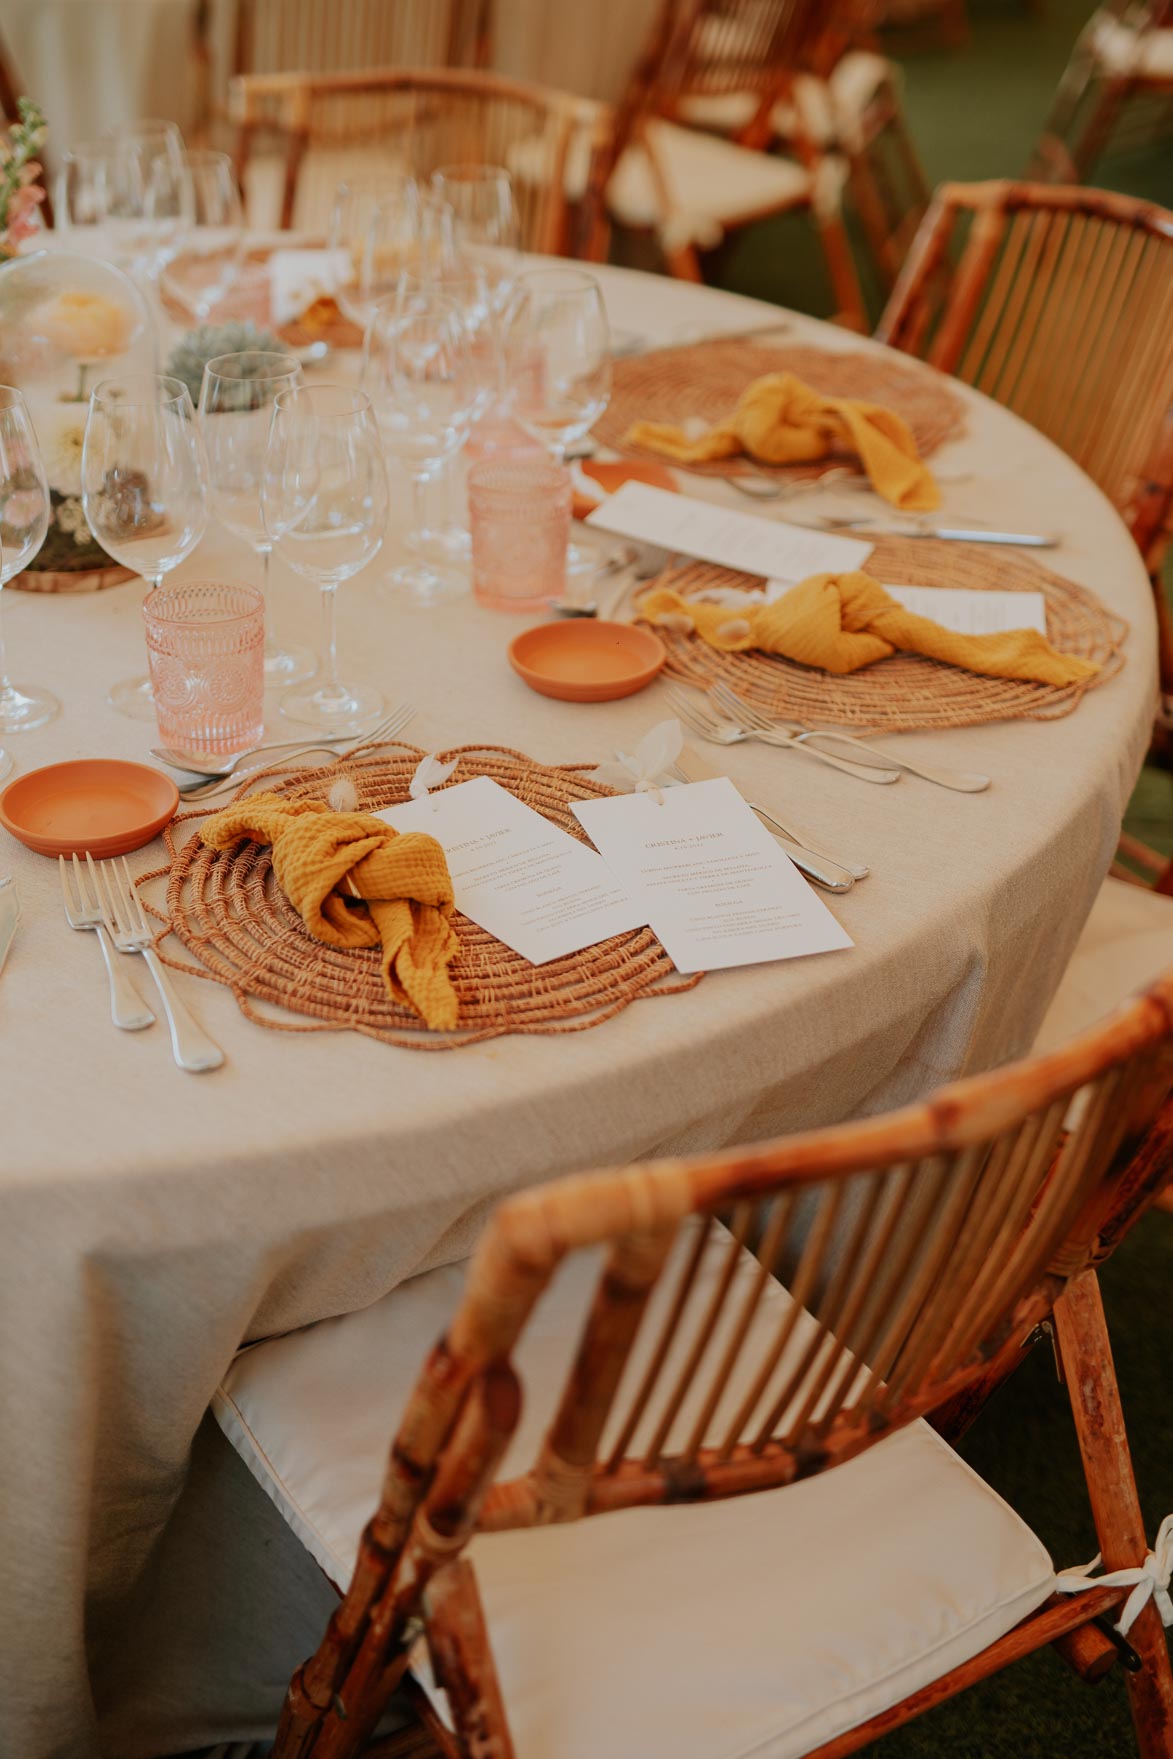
[(127, 926), (387, 729), (127, 1009), (746, 715), (720, 731)]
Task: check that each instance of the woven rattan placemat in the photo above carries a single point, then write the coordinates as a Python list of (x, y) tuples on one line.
[(229, 913), (705, 380), (908, 691)]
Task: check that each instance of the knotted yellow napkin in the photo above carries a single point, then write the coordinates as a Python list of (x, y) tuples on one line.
[(781, 420), (356, 882), (840, 622)]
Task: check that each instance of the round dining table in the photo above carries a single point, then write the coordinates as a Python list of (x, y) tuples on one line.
[(152, 1221)]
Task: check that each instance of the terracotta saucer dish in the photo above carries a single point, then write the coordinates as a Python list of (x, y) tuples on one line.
[(587, 660), (95, 803)]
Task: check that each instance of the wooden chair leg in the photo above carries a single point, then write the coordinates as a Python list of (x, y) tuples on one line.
[(850, 312), (463, 1662), (684, 263), (1086, 1355)]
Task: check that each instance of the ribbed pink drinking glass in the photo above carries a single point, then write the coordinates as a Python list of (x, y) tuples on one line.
[(206, 648), (519, 516)]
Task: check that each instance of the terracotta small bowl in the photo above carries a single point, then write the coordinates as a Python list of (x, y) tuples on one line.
[(94, 803), (584, 660)]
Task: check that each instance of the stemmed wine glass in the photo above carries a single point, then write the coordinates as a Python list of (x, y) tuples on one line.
[(148, 151), (417, 369), (236, 412), (324, 501), (560, 361), (375, 224), (100, 200), (144, 483), (486, 222), (24, 521), (202, 194)]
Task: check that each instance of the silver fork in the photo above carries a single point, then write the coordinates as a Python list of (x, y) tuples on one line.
[(127, 1009), (745, 715), (128, 928), (721, 731), (386, 730)]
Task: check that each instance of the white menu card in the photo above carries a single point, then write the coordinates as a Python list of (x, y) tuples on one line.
[(517, 875), (710, 879), (722, 535), (965, 610)]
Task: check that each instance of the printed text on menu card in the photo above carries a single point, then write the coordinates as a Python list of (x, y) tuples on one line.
[(714, 885), (514, 873)]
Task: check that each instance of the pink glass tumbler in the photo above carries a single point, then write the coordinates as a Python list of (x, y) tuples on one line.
[(206, 647), (519, 516)]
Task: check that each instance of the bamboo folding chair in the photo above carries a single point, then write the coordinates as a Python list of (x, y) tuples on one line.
[(419, 118), (1115, 90), (1058, 302), (923, 1252), (335, 36), (690, 186)]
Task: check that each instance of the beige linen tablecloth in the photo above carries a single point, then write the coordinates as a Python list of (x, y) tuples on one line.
[(150, 1220)]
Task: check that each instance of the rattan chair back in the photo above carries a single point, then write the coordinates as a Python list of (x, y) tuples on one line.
[(918, 1248), (1057, 302), (423, 118), (285, 36)]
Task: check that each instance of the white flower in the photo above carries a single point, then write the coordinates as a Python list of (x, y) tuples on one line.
[(61, 429), (70, 516)]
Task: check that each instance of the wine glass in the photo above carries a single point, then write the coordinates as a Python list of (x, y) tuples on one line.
[(99, 200), (144, 481), (24, 521), (236, 412), (211, 246), (466, 285), (486, 222), (375, 224), (560, 362), (156, 149), (324, 501), (417, 369)]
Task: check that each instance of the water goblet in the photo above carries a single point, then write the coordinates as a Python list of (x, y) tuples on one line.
[(24, 521), (324, 501), (144, 488), (416, 367), (236, 413)]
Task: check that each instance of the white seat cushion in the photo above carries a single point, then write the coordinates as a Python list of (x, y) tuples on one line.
[(832, 111), (761, 1625), (1126, 943), (1137, 54)]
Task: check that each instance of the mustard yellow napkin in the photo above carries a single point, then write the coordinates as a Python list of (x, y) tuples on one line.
[(840, 622), (781, 420), (356, 882)]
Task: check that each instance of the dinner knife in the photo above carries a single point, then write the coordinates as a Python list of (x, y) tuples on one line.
[(9, 915), (957, 534), (828, 874)]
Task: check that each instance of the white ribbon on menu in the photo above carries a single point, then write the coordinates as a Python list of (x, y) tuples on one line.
[(647, 769)]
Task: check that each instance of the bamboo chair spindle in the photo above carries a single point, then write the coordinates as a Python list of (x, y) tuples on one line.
[(922, 1250)]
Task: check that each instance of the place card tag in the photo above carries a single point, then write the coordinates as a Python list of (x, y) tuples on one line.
[(722, 535), (709, 878), (964, 611), (298, 277), (518, 876)]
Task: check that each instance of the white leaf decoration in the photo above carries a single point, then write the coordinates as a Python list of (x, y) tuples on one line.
[(646, 770), (430, 773)]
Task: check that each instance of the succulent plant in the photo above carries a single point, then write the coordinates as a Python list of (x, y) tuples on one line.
[(189, 357)]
